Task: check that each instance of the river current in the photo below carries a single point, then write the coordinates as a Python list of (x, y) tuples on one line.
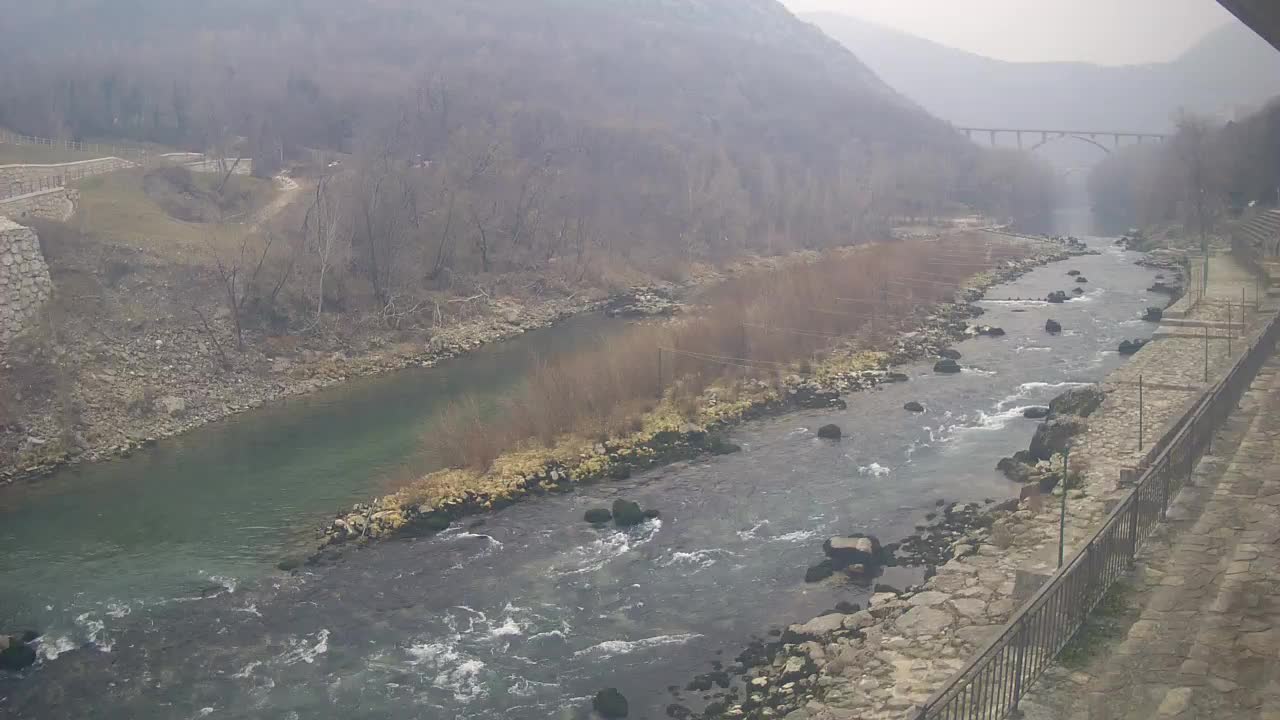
[(527, 612)]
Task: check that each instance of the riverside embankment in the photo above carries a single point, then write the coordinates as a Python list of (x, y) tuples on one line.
[(882, 662), (527, 614)]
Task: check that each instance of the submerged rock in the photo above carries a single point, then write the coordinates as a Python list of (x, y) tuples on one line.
[(829, 432), (946, 366), (1038, 412), (627, 513), (990, 331), (610, 703), (1057, 296), (1129, 347), (597, 516), (1073, 272), (16, 652), (1053, 327), (819, 572), (913, 406), (1077, 291), (1082, 279)]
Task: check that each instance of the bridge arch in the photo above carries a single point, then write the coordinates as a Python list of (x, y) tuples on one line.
[(1081, 138)]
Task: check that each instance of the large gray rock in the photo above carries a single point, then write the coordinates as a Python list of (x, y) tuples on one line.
[(853, 550), (922, 620), (1080, 401), (946, 366), (820, 626), (1018, 472), (1054, 435)]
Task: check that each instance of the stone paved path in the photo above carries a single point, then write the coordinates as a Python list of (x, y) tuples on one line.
[(1206, 641)]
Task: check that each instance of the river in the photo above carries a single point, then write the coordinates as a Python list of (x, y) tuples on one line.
[(529, 612)]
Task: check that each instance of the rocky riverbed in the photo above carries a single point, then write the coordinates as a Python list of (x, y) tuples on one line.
[(667, 436)]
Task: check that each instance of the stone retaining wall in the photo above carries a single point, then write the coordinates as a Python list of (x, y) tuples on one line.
[(24, 279), (22, 179), (54, 204)]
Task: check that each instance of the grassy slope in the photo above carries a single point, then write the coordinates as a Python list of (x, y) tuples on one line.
[(115, 208)]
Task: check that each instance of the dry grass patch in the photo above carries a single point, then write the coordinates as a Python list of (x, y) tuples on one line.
[(116, 208), (821, 317)]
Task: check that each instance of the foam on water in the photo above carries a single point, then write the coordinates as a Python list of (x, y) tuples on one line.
[(612, 648), (698, 559), (875, 469), (508, 627), (305, 649), (597, 553), (795, 536), (51, 648), (750, 533)]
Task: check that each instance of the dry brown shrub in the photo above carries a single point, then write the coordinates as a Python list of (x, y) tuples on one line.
[(762, 325)]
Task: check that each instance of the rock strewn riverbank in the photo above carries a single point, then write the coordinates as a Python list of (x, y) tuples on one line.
[(881, 663), (432, 503), (156, 379), (136, 392)]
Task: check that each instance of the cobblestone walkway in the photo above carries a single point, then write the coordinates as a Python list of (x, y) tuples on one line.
[(1206, 640)]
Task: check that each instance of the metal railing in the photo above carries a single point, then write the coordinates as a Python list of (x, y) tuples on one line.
[(990, 685), (123, 151)]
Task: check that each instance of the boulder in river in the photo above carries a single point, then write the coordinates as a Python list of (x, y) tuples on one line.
[(1080, 401), (1054, 435), (913, 406), (946, 366), (16, 652), (1129, 347), (1053, 327), (1018, 472), (1077, 291), (1082, 279), (1057, 296), (819, 572), (598, 516), (949, 354), (1073, 272), (1153, 314), (829, 432), (1036, 412), (627, 513), (610, 703), (859, 549), (990, 331)]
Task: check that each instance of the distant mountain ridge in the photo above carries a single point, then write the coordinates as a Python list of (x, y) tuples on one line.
[(1229, 68)]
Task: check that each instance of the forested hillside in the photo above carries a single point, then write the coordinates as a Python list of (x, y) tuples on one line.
[(500, 134)]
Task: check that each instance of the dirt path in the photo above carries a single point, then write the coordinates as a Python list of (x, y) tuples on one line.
[(289, 190)]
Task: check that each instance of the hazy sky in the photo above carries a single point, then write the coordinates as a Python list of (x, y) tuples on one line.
[(1110, 32)]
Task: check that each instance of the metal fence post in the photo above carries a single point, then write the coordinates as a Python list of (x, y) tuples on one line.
[(1133, 527), (1020, 664)]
